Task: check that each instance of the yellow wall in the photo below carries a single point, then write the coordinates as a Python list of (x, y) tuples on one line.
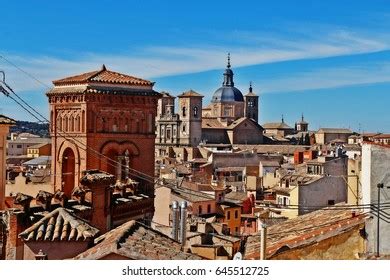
[(233, 222), (345, 246)]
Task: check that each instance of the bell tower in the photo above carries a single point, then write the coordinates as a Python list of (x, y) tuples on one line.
[(252, 105), (190, 112)]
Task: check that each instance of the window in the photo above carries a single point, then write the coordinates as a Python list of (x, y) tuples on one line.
[(331, 202), (195, 112), (236, 229), (236, 214), (208, 208), (228, 215), (19, 146), (184, 128), (168, 134), (200, 209), (184, 111)]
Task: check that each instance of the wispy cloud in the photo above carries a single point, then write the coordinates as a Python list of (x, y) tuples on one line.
[(326, 78), (164, 60)]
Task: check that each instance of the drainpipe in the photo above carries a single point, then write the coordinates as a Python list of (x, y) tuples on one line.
[(175, 220), (183, 222), (263, 241)]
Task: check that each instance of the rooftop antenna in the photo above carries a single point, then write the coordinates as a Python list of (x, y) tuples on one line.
[(228, 58)]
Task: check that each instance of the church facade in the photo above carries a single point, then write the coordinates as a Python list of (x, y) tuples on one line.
[(230, 118)]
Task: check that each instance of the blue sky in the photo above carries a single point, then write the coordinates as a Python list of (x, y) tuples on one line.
[(327, 59)]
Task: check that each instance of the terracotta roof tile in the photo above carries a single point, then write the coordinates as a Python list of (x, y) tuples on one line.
[(211, 123), (138, 242), (6, 120), (305, 230), (103, 76), (59, 225), (190, 93)]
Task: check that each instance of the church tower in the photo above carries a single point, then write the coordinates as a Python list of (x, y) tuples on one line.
[(302, 126), (190, 112), (251, 105), (102, 120)]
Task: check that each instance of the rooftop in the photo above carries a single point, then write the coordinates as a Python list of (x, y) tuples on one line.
[(335, 130), (305, 230), (278, 125), (6, 120), (59, 225), (103, 76), (42, 160), (136, 241), (190, 93)]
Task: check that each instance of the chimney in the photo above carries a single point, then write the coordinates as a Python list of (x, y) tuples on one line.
[(16, 222), (175, 220), (44, 199), (183, 222), (24, 200), (99, 183), (41, 256), (60, 197), (79, 194)]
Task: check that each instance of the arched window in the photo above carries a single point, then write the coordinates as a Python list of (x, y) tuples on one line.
[(184, 111), (66, 128), (59, 123), (78, 123), (196, 111), (82, 121)]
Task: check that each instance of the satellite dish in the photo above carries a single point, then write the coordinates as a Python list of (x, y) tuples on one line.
[(237, 256)]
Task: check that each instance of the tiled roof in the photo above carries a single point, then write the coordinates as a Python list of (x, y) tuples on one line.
[(138, 242), (335, 130), (191, 195), (305, 230), (211, 123), (166, 94), (280, 125), (241, 120), (90, 89), (381, 136), (190, 93), (103, 76), (35, 140), (6, 120), (59, 225), (42, 160), (270, 149)]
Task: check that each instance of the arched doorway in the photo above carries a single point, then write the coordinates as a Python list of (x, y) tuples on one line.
[(68, 171)]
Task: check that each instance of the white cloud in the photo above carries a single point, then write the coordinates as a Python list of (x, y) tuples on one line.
[(158, 61), (329, 78)]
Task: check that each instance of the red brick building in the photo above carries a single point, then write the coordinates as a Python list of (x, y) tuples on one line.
[(98, 119)]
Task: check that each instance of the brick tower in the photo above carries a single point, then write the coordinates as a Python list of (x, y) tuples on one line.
[(110, 113)]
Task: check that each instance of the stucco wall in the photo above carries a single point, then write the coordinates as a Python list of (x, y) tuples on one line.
[(345, 246), (375, 168), (321, 191)]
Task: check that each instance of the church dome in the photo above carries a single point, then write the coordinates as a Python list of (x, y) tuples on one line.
[(227, 92)]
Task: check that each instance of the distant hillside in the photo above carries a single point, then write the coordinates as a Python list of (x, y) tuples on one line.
[(41, 129)]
